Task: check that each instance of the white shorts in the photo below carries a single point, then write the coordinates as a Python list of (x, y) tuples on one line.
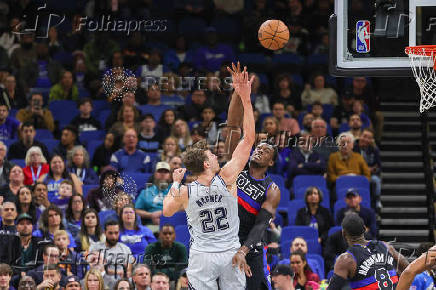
[(205, 268)]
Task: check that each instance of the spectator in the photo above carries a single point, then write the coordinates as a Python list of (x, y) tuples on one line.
[(128, 99), (93, 280), (8, 214), (73, 214), (370, 152), (123, 284), (10, 39), (5, 276), (36, 114), (166, 122), (51, 221), (119, 200), (141, 277), (353, 201), (40, 194), (69, 139), (73, 283), (315, 215), (217, 95), (8, 125), (153, 96), (98, 198), (180, 54), (50, 257), (182, 282), (115, 252), (149, 139), (282, 277), (286, 124), (304, 160), (9, 191), (103, 153), (324, 144), (64, 194), (65, 89), (51, 278), (317, 110), (270, 130), (209, 125), (36, 166), (24, 57), (192, 112), (358, 109), (211, 56), (258, 97), (307, 122), (26, 283), (98, 51), (343, 111), (150, 200), (153, 70), (197, 134), (160, 281), (67, 256), (84, 121), (128, 118), (287, 94), (130, 159), (19, 149), (174, 252), (90, 230), (180, 132), (25, 204), (346, 162), (78, 164), (355, 125), (56, 175), (5, 165), (135, 236), (316, 91), (302, 270), (17, 98)]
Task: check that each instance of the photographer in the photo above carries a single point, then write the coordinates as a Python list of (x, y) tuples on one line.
[(40, 117)]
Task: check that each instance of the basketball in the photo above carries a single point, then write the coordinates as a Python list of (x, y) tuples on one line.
[(273, 34)]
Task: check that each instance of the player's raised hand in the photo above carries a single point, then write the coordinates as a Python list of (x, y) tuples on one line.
[(178, 174), (235, 70), (243, 86), (239, 261)]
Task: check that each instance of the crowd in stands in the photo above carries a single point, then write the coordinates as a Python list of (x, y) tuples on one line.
[(83, 173)]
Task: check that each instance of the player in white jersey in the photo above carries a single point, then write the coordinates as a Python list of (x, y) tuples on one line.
[(211, 206)]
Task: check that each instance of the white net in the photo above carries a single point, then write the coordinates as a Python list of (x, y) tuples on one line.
[(422, 61)]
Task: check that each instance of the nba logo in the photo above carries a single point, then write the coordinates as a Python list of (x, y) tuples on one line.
[(363, 36)]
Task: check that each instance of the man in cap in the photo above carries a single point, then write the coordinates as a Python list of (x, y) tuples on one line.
[(73, 283), (283, 277)]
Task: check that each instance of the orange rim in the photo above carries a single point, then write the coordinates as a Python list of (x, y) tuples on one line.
[(422, 50)]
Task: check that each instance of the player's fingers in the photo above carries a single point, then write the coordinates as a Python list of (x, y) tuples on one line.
[(252, 79), (234, 67), (229, 70), (248, 271), (239, 67)]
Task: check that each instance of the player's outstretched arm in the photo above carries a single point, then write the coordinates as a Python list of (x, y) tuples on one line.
[(242, 152), (402, 262), (177, 198), (345, 266), (424, 262)]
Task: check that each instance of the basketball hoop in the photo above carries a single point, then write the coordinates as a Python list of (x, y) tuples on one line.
[(423, 63)]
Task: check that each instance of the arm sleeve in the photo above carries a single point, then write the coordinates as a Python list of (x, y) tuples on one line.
[(263, 219)]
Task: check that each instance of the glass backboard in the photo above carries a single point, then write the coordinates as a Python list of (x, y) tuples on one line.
[(368, 37)]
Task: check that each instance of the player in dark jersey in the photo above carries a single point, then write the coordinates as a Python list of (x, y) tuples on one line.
[(365, 264), (258, 198)]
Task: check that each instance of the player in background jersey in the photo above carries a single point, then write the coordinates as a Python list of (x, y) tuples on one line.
[(258, 197), (211, 206), (366, 264)]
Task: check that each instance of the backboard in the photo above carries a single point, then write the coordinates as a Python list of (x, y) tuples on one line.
[(368, 37)]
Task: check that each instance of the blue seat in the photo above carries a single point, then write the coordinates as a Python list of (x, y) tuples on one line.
[(92, 146), (363, 192), (294, 206), (19, 162), (313, 247), (43, 134), (140, 179), (334, 229), (317, 59), (83, 93), (297, 79), (342, 204), (103, 115), (13, 112), (183, 236), (308, 180), (299, 194), (252, 59), (87, 136), (156, 111), (63, 110), (284, 201), (320, 261), (9, 142), (50, 144), (306, 232), (100, 105), (87, 188), (278, 179), (344, 127), (287, 59), (357, 181), (178, 219)]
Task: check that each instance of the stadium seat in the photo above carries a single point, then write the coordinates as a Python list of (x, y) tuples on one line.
[(320, 261), (297, 80), (287, 62), (9, 142), (87, 136), (294, 206), (50, 144), (308, 180), (140, 179), (178, 219), (92, 146), (344, 127), (317, 59), (334, 229), (290, 232), (63, 110), (43, 134), (87, 188), (100, 105), (357, 181), (19, 162), (284, 201), (156, 111), (278, 179), (183, 236), (256, 61), (103, 115), (312, 245), (83, 93)]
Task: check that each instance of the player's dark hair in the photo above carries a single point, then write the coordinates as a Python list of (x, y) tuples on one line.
[(353, 225)]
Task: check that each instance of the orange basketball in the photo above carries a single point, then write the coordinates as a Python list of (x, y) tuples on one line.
[(273, 34)]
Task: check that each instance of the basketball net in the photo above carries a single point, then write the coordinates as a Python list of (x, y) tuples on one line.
[(423, 63)]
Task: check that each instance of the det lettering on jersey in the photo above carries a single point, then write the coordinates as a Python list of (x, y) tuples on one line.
[(375, 259), (254, 190)]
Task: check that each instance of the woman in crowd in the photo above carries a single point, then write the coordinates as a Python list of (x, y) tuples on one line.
[(258, 98), (93, 280), (303, 272), (36, 166), (78, 163), (119, 200), (103, 153), (127, 119), (98, 197), (123, 284), (25, 204), (16, 181), (132, 234), (90, 231), (57, 174), (288, 94), (180, 132), (73, 214), (317, 92), (314, 214), (166, 122), (170, 148)]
